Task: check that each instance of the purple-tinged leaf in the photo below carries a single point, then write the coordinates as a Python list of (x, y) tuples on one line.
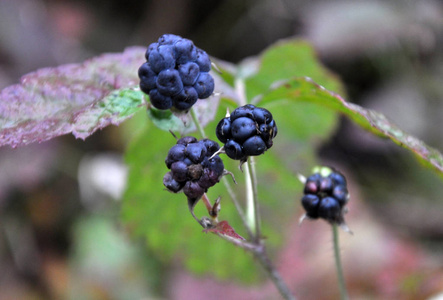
[(77, 98)]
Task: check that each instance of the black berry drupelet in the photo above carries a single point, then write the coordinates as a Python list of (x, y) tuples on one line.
[(193, 171), (176, 73), (247, 131), (325, 196)]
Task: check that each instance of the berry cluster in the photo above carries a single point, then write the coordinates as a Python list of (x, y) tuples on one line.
[(325, 196), (175, 73), (191, 169), (248, 131)]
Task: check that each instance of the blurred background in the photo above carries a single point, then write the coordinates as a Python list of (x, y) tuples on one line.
[(60, 235)]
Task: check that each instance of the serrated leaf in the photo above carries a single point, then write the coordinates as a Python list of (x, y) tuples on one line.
[(304, 89), (77, 98)]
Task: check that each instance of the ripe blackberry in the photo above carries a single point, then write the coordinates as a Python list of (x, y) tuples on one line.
[(193, 171), (176, 73), (325, 196), (247, 131)]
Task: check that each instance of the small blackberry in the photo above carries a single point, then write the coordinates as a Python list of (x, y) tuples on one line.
[(193, 171), (176, 73), (325, 195), (247, 131)]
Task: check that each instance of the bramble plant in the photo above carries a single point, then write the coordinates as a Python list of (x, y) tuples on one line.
[(284, 85)]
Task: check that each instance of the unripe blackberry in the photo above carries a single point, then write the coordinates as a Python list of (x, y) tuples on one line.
[(247, 131), (176, 73), (192, 169)]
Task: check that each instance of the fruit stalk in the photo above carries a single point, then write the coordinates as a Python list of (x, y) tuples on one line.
[(338, 265)]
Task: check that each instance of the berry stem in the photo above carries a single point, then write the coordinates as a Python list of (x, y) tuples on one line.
[(224, 179), (250, 203), (252, 197), (197, 123), (338, 265)]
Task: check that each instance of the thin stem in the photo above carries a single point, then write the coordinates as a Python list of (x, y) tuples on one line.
[(237, 206), (250, 203), (197, 123), (253, 174), (260, 253), (224, 179), (338, 265)]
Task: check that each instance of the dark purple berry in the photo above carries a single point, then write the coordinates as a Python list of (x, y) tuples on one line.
[(234, 150), (189, 73), (169, 82), (262, 115), (242, 129), (171, 184), (186, 99), (179, 171), (326, 185), (340, 193), (176, 153), (203, 61), (338, 178), (243, 111), (204, 85), (310, 204), (195, 152), (223, 130), (161, 58), (168, 39), (329, 209), (159, 100), (254, 146), (186, 140), (193, 190), (211, 146), (185, 51)]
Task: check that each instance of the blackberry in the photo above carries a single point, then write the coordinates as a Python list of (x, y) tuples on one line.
[(176, 73), (325, 196), (193, 171), (247, 131)]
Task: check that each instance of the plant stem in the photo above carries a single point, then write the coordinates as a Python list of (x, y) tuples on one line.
[(338, 265), (237, 206), (251, 198), (260, 253), (197, 123), (226, 182)]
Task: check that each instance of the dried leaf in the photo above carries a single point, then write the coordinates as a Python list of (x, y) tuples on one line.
[(224, 228)]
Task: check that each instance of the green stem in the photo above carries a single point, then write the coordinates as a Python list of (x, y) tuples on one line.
[(197, 123), (338, 265), (226, 182), (251, 197)]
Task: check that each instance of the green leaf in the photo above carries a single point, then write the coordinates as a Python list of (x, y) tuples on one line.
[(304, 89), (284, 60), (163, 217)]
